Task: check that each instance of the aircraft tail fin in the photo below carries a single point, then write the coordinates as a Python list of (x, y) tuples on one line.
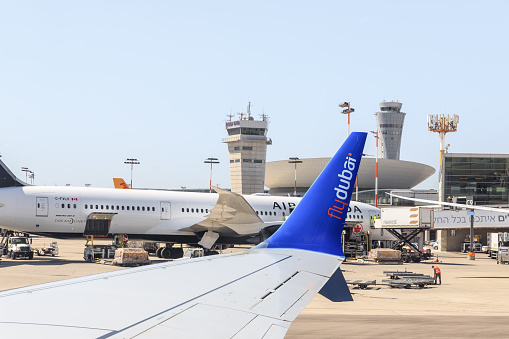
[(120, 183), (317, 222), (7, 178)]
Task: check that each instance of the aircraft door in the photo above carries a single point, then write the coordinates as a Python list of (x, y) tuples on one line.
[(165, 210), (41, 209)]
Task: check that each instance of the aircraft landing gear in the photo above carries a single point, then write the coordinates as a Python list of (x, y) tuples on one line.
[(169, 252)]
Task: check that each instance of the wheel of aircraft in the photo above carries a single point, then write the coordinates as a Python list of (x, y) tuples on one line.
[(211, 253), (177, 253), (166, 252), (158, 252)]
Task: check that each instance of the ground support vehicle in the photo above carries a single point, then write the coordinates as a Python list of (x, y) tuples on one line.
[(18, 247), (51, 250), (465, 247), (362, 284), (407, 279), (411, 255), (492, 246), (503, 248)]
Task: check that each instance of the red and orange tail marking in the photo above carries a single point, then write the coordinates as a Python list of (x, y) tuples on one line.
[(120, 183)]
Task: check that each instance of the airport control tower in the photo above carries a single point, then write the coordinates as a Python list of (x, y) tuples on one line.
[(247, 148), (389, 123)]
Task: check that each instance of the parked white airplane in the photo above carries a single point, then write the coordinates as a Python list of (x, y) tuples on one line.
[(164, 216), (253, 294)]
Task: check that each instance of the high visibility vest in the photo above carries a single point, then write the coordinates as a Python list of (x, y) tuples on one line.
[(437, 270)]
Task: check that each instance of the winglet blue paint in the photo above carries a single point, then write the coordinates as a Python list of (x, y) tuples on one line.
[(317, 222)]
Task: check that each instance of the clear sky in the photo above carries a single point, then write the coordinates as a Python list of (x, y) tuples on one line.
[(86, 84)]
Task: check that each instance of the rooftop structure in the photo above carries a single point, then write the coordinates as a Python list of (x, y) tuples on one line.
[(389, 123), (247, 148)]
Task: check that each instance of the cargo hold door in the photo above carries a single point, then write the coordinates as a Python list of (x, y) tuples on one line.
[(98, 224)]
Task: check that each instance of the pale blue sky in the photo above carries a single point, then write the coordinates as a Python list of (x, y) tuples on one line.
[(86, 84)]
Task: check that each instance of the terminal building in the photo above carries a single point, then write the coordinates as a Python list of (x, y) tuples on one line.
[(485, 177)]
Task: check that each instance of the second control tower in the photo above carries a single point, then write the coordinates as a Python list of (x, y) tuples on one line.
[(389, 123), (247, 148)]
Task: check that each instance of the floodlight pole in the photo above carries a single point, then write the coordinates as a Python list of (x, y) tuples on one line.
[(347, 110), (26, 170), (211, 161), (132, 162), (295, 160), (376, 168)]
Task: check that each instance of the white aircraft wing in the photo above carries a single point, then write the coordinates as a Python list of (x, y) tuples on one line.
[(253, 294)]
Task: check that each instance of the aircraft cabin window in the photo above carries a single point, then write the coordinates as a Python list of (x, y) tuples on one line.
[(86, 206), (122, 207), (138, 208), (127, 208), (284, 214), (265, 212), (118, 207), (68, 205), (153, 209), (112, 207), (63, 206), (96, 207), (143, 208), (102, 207), (192, 210), (107, 207), (202, 210), (206, 210), (74, 206), (188, 210), (182, 209), (133, 208)]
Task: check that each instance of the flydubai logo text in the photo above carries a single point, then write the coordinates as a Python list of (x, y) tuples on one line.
[(345, 181)]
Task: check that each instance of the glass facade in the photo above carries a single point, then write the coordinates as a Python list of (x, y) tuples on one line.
[(483, 176)]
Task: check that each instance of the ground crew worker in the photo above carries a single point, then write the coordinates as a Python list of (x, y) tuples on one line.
[(437, 275)]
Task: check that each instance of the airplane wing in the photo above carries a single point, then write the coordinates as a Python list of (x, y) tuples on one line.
[(253, 294), (230, 212), (452, 204)]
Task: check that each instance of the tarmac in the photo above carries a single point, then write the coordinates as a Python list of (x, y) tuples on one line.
[(471, 302)]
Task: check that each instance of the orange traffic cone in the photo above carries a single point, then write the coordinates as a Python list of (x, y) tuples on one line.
[(405, 269), (436, 260)]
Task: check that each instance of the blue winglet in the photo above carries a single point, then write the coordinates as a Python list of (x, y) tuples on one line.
[(317, 222)]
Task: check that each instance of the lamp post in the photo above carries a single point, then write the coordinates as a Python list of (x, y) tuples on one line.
[(347, 110), (183, 188), (26, 170), (376, 168), (32, 177), (295, 160), (211, 161), (132, 162)]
